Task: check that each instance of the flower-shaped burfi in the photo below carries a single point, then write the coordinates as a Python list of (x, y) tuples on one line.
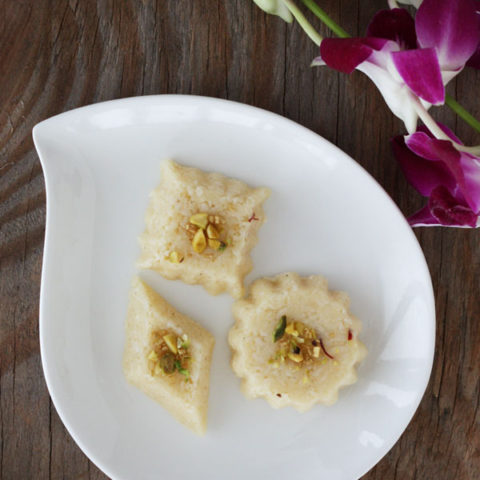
[(294, 342)]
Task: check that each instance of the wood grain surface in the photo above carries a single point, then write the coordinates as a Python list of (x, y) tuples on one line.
[(59, 55)]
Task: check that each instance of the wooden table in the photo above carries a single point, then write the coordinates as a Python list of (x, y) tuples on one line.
[(59, 55)]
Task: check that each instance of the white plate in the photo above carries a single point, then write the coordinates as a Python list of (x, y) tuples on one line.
[(325, 215)]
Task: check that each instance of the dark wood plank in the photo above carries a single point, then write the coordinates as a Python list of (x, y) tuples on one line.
[(61, 54)]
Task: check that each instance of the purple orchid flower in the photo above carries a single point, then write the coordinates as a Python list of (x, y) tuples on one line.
[(410, 60), (475, 58), (448, 178)]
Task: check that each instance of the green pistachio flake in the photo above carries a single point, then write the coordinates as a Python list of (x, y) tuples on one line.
[(182, 370), (280, 329)]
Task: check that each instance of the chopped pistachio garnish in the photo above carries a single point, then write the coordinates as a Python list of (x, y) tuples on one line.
[(182, 370), (280, 329), (296, 357), (291, 329), (200, 220), (298, 343), (182, 342), (205, 230), (214, 243), (175, 257), (186, 342), (212, 232), (171, 341), (199, 241), (169, 354), (153, 356), (215, 219)]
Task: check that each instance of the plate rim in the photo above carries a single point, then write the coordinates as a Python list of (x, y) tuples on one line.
[(257, 111)]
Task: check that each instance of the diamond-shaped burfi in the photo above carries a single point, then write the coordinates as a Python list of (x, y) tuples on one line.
[(167, 356)]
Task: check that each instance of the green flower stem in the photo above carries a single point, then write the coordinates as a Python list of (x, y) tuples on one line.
[(462, 113), (317, 11), (340, 32), (303, 22)]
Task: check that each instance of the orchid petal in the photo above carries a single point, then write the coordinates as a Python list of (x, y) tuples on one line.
[(420, 70), (372, 57), (451, 27), (396, 25), (396, 95), (448, 75), (424, 175), (275, 7), (464, 168), (474, 60), (471, 188), (345, 54), (448, 211), (317, 62), (444, 210), (423, 218), (444, 128), (415, 3)]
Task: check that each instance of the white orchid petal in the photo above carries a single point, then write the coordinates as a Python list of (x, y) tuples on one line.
[(448, 75), (396, 94), (275, 7), (415, 3)]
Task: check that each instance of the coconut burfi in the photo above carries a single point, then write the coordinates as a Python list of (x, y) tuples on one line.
[(201, 227), (294, 342), (167, 356)]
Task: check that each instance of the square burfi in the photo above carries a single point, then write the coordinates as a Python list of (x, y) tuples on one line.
[(201, 227)]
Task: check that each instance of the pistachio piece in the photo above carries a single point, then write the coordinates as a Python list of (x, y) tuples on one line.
[(199, 241), (215, 219), (167, 363), (182, 370), (214, 243), (200, 220), (175, 257), (171, 341), (153, 356), (291, 329), (280, 329), (182, 342), (212, 232), (296, 357)]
